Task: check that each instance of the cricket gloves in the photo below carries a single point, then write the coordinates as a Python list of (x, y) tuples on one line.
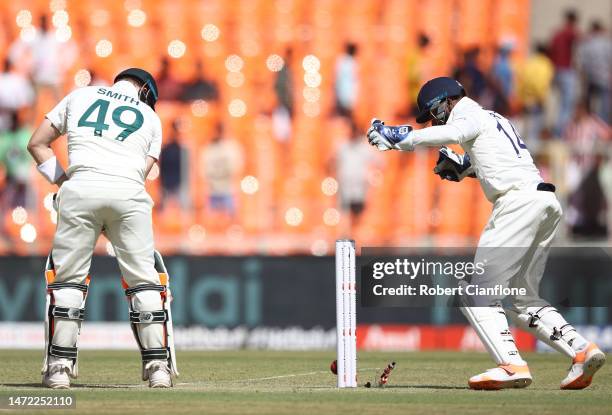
[(452, 166), (385, 137)]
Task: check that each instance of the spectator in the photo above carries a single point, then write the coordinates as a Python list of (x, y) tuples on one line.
[(595, 61), (169, 87), (347, 82), (171, 164), (222, 161), (283, 85), (353, 160), (605, 178), (470, 75), (16, 93), (200, 87), (561, 53), (534, 80), (502, 68), (283, 88), (502, 83), (17, 161), (417, 65), (588, 138), (51, 59)]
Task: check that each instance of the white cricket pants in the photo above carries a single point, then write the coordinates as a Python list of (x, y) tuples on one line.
[(516, 242), (514, 247), (123, 210)]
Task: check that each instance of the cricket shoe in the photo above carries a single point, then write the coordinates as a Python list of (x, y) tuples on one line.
[(502, 377), (57, 376), (584, 366), (158, 374)]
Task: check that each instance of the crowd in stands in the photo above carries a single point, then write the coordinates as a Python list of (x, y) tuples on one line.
[(265, 152)]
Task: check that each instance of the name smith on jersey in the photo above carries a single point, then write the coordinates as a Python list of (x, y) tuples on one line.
[(118, 96)]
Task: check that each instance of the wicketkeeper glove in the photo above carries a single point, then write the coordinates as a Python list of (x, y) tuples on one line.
[(385, 137), (452, 166)]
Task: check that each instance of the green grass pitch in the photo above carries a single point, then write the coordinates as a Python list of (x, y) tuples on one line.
[(264, 382)]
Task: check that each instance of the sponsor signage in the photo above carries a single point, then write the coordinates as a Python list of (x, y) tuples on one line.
[(253, 292), (370, 337)]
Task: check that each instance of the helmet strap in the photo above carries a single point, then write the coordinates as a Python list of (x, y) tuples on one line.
[(440, 112), (143, 93)]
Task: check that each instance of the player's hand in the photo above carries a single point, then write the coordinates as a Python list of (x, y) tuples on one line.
[(385, 137), (452, 166)]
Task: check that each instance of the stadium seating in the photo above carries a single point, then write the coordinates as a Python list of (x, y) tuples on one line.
[(419, 209)]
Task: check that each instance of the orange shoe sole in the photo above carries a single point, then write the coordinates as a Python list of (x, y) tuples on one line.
[(593, 365), (500, 384)]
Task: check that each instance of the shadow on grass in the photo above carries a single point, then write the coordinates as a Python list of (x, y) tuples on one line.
[(426, 387), (21, 385), (72, 386), (439, 387)]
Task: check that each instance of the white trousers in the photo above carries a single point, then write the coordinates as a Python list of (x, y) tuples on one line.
[(514, 247), (123, 211), (516, 242)]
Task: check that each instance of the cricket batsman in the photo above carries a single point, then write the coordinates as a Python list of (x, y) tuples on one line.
[(114, 139), (517, 237)]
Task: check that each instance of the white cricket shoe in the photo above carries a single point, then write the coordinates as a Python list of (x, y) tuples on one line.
[(502, 377), (158, 374), (584, 366), (57, 376)]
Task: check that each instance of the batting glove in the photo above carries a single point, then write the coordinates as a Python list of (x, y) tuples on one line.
[(385, 137), (452, 166)]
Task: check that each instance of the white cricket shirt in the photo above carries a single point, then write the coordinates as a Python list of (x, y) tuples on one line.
[(500, 159), (110, 132)]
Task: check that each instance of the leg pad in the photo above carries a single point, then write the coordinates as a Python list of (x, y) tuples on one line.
[(154, 354), (145, 287), (65, 312), (151, 321), (531, 319), (63, 352), (145, 317), (69, 313)]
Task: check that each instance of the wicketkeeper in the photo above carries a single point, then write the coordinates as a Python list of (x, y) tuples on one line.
[(515, 241), (114, 139)]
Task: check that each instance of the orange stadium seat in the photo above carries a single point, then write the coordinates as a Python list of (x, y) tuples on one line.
[(287, 174), (415, 197)]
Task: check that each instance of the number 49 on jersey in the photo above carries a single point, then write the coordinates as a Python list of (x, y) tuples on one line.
[(98, 122)]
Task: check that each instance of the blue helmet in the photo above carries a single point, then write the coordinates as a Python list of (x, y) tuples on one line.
[(433, 94), (148, 93)]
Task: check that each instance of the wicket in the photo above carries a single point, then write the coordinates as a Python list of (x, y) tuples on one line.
[(346, 315)]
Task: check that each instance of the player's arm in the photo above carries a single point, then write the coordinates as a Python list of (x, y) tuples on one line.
[(39, 147), (154, 148), (149, 162), (405, 138)]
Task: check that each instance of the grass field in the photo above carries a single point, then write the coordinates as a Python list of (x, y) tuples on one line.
[(258, 382)]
